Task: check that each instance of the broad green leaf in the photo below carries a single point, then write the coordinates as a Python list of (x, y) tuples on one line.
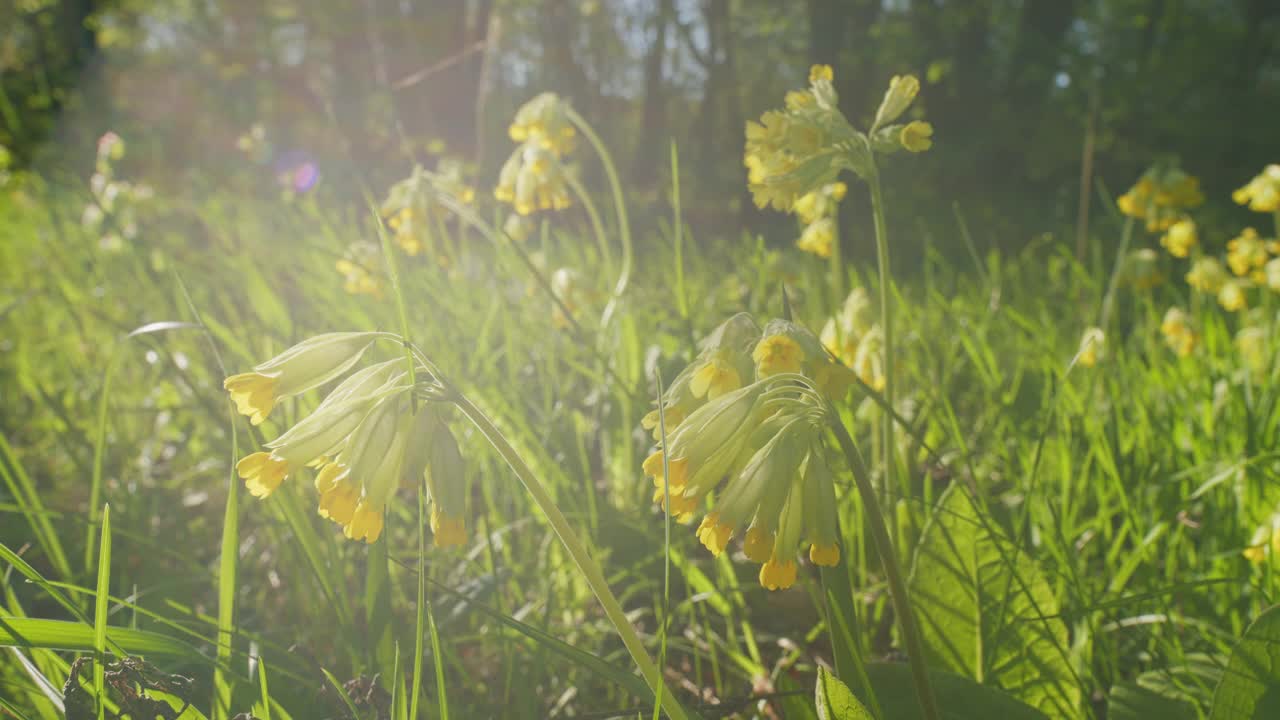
[(958, 697), (79, 637), (1250, 687), (834, 701), (981, 620)]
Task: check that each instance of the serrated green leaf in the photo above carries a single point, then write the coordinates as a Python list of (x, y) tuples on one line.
[(958, 697), (981, 620), (834, 701), (1250, 687)]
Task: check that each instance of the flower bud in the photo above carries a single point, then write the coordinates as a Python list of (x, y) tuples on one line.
[(901, 93)]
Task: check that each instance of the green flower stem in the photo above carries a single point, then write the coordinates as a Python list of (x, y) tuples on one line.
[(1108, 300), (620, 207), (892, 569), (886, 324), (597, 225), (578, 551)]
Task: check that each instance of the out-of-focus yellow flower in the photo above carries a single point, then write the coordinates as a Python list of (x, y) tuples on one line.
[(544, 121), (1179, 332), (1262, 193), (821, 72), (1265, 541), (518, 227), (868, 360), (1180, 238), (1207, 275), (1246, 253), (1252, 342), (818, 237), (842, 333), (1271, 274), (1092, 344), (917, 136), (533, 179), (716, 377), (1232, 296), (356, 267), (1161, 197)]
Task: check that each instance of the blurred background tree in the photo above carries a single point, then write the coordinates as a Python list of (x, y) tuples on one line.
[(1023, 93)]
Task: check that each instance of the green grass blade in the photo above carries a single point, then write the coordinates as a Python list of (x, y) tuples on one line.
[(80, 637), (100, 604), (419, 627), (24, 492)]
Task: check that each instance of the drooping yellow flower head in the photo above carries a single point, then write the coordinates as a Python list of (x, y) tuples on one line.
[(1179, 332), (1232, 296), (819, 237), (447, 531), (777, 354), (778, 574), (819, 73), (1207, 275), (1262, 193), (1142, 269), (1246, 253), (1161, 197), (1180, 238), (544, 120), (302, 367), (262, 473), (366, 522), (716, 377)]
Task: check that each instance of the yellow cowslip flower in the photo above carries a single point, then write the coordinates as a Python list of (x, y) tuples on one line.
[(1179, 333), (776, 354), (716, 377), (841, 333), (758, 544), (1092, 344), (304, 366), (820, 203), (673, 416), (1246, 252), (1265, 541), (818, 237), (777, 574), (545, 122), (1180, 238), (901, 93), (366, 522), (338, 495), (833, 379), (1232, 296), (356, 268), (1271, 274), (532, 179), (262, 473), (1262, 193), (916, 136), (1161, 197), (828, 555), (819, 73), (714, 534), (868, 359), (447, 531), (404, 229), (1207, 275)]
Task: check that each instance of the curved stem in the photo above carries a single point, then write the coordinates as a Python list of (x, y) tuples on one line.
[(620, 207), (892, 569), (577, 550), (597, 225)]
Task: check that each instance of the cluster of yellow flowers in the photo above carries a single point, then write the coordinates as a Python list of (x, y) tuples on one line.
[(370, 435), (1161, 197), (358, 267), (412, 203), (533, 177), (854, 337), (1262, 194), (752, 408), (802, 147), (817, 210)]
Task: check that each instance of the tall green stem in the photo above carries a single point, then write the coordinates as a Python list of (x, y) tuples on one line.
[(886, 325), (578, 551), (1108, 300), (892, 569)]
